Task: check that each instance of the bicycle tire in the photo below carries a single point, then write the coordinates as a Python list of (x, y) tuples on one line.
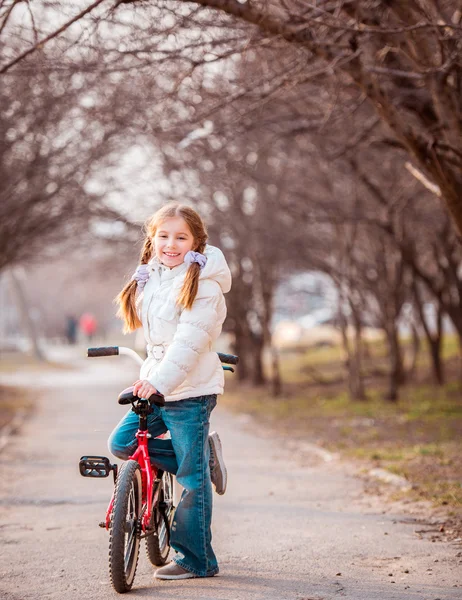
[(158, 544), (124, 538)]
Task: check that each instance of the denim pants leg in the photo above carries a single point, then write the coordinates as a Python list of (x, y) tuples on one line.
[(187, 456), (191, 536), (122, 442)]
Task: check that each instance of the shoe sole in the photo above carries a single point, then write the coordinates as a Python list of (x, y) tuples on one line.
[(184, 576), (171, 577), (218, 453)]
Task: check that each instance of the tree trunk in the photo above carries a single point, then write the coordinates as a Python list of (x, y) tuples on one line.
[(258, 375), (27, 322), (353, 357), (415, 352), (435, 339), (396, 376), (356, 375), (435, 343), (355, 380), (242, 348), (460, 361), (435, 352), (455, 314), (266, 277), (276, 382)]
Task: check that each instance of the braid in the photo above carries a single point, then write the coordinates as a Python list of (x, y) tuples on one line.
[(126, 299), (191, 282), (146, 252)]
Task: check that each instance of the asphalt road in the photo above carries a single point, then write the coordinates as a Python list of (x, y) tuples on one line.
[(290, 526)]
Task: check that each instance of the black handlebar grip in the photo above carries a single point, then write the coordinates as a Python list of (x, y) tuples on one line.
[(104, 351), (229, 359)]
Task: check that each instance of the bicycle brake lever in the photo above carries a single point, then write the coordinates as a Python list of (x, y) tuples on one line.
[(157, 399)]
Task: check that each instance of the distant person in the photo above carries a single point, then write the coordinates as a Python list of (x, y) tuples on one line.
[(71, 330), (177, 296), (88, 326)]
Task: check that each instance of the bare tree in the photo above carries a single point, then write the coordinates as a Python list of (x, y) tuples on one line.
[(55, 140), (403, 55)]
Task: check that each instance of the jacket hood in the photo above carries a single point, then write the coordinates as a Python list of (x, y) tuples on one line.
[(216, 268)]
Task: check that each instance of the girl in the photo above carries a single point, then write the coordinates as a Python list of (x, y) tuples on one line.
[(176, 295)]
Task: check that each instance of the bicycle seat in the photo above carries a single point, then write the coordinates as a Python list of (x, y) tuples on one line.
[(127, 397)]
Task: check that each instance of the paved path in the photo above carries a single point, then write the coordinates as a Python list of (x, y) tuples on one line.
[(289, 527)]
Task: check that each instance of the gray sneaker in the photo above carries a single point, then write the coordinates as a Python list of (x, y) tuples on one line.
[(173, 571), (218, 472)]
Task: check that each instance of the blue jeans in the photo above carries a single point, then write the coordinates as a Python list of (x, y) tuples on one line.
[(186, 455)]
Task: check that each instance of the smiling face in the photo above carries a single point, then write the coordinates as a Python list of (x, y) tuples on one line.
[(172, 240)]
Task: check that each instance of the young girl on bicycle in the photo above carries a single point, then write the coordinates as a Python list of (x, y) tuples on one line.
[(176, 295)]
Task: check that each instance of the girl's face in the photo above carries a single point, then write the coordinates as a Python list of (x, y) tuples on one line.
[(172, 240)]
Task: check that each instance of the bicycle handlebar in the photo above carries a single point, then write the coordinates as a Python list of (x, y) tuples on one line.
[(104, 351), (229, 359)]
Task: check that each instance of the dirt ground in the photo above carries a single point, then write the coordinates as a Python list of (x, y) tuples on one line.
[(292, 525)]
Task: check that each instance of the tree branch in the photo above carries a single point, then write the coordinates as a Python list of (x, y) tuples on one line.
[(42, 42), (434, 189)]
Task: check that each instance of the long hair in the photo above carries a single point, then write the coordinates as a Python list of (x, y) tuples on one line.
[(126, 299)]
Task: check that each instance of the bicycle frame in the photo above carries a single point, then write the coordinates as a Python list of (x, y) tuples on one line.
[(148, 477)]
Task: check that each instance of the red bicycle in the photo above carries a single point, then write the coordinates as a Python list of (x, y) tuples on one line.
[(143, 501)]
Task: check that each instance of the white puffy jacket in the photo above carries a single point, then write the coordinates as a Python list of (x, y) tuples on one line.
[(181, 362)]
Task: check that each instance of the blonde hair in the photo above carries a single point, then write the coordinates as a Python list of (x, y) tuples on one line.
[(126, 299)]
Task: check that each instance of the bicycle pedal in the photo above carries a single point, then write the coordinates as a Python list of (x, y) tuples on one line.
[(95, 466)]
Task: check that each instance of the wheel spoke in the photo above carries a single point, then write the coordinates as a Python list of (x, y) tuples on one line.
[(162, 536), (158, 545), (128, 554), (131, 528)]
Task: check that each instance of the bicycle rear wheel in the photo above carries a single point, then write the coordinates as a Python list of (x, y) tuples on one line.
[(124, 539), (158, 543)]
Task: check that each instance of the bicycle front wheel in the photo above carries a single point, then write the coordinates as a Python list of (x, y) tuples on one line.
[(124, 539)]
